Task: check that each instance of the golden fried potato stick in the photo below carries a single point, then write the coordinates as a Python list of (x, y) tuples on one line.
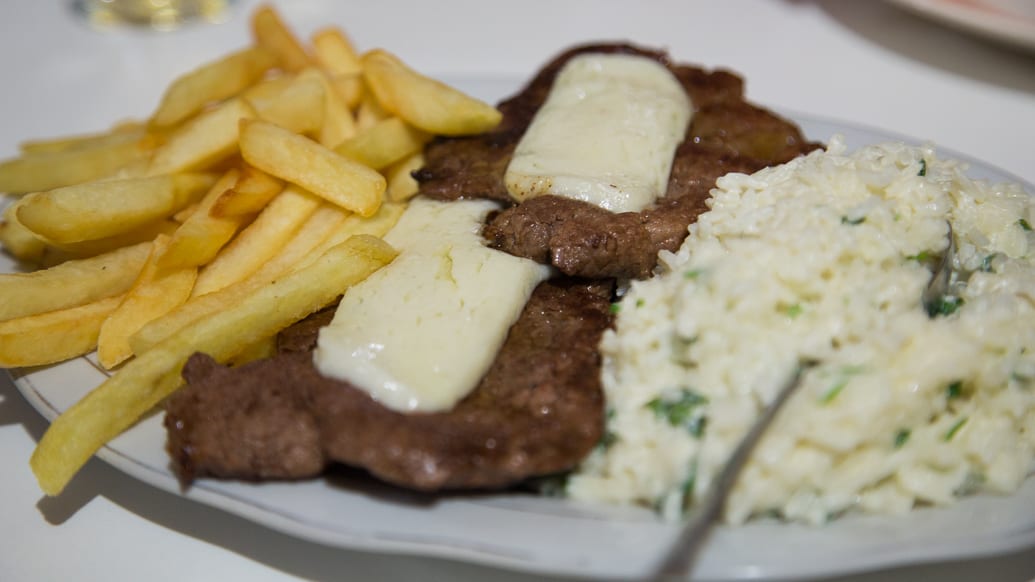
[(335, 53), (210, 83), (46, 171), (377, 225), (338, 122), (157, 291), (424, 102), (71, 283), (97, 210), (48, 338), (259, 241), (121, 133), (385, 143), (319, 170), (155, 374), (252, 192), (203, 140), (21, 242), (271, 33), (369, 111), (201, 235), (401, 184), (55, 254), (308, 244), (298, 106)]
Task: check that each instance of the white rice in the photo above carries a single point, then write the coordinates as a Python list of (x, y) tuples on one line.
[(818, 259)]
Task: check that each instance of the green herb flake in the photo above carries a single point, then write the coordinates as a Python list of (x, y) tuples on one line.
[(946, 305), (845, 375), (853, 221), (1024, 224), (834, 390), (902, 437), (609, 439), (955, 429), (688, 486), (922, 256), (615, 308), (681, 412), (641, 302), (692, 274), (986, 263), (793, 311), (923, 168), (954, 390)]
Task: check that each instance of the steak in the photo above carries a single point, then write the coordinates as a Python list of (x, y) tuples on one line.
[(726, 134), (539, 409)]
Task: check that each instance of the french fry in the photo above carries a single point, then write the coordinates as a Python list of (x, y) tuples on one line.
[(384, 144), (155, 374), (298, 106), (369, 112), (91, 248), (71, 283), (156, 292), (293, 255), (122, 133), (203, 140), (55, 336), (21, 242), (271, 33), (260, 350), (46, 171), (335, 53), (350, 88), (424, 102), (338, 123), (401, 184), (319, 170), (97, 210), (267, 89), (317, 229), (201, 235), (212, 82), (319, 226), (254, 245), (377, 225), (252, 192)]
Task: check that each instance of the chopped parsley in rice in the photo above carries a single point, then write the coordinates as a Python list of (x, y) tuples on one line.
[(825, 258)]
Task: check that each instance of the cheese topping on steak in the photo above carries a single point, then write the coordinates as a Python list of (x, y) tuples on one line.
[(420, 333), (605, 135)]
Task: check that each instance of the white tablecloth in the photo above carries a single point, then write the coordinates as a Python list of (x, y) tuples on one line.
[(866, 62)]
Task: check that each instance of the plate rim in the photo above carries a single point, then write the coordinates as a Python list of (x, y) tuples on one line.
[(976, 18)]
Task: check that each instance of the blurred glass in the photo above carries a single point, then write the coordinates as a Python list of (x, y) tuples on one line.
[(157, 14)]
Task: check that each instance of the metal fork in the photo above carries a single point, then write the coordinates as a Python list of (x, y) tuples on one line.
[(938, 288), (683, 552)]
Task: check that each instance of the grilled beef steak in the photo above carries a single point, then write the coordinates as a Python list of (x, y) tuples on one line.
[(539, 409), (726, 134)]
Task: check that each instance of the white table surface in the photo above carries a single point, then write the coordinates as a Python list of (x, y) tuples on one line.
[(864, 61)]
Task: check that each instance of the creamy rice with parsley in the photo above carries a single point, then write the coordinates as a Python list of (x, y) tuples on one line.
[(825, 258)]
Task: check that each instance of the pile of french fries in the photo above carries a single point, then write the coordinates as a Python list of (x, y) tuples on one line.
[(255, 194)]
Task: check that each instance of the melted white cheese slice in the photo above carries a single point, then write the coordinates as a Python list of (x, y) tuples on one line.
[(419, 334), (606, 134)]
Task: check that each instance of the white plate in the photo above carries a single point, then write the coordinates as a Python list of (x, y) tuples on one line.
[(1007, 21), (507, 530)]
